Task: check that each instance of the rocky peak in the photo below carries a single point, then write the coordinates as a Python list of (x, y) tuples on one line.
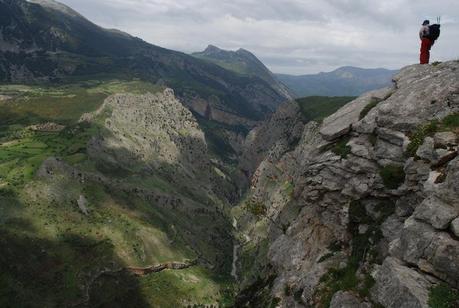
[(57, 6), (151, 129), (211, 49)]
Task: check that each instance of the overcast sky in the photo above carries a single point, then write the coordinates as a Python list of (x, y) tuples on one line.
[(289, 36)]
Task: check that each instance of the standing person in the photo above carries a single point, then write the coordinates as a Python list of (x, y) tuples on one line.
[(426, 42)]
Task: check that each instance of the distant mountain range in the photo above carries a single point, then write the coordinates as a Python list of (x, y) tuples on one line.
[(242, 62), (43, 40), (344, 81)]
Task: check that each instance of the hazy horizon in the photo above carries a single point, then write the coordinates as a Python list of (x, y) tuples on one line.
[(293, 37)]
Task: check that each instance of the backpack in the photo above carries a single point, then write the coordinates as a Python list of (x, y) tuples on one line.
[(434, 32)]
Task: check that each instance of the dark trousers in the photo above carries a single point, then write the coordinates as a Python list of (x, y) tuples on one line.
[(426, 44)]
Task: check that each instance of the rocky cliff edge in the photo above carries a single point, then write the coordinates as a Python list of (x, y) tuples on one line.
[(364, 210)]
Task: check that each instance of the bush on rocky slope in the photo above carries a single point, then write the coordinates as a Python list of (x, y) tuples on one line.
[(443, 296), (392, 175)]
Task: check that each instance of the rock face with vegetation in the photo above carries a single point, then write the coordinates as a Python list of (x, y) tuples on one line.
[(362, 210)]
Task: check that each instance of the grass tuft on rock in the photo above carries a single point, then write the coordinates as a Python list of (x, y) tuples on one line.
[(341, 148), (374, 101), (362, 248), (449, 123), (335, 280), (419, 135), (393, 176)]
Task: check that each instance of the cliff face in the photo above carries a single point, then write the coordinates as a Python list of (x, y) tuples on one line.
[(364, 209)]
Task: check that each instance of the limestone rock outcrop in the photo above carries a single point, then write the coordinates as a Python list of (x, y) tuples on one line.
[(154, 129), (364, 196)]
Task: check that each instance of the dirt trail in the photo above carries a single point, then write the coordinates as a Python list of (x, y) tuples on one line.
[(142, 271)]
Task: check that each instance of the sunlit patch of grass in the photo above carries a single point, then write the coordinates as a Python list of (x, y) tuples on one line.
[(63, 103)]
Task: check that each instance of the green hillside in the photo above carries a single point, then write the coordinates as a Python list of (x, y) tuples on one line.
[(242, 62), (53, 255), (317, 108)]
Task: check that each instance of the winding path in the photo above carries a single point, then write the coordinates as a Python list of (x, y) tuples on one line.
[(142, 271)]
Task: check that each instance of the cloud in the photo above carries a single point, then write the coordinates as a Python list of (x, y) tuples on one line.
[(290, 36)]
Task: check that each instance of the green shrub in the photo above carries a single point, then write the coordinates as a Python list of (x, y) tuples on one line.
[(451, 121), (358, 213), (275, 302), (373, 102), (393, 176), (362, 245), (442, 296), (335, 246), (436, 63), (341, 148), (289, 188), (333, 281), (368, 283), (326, 257), (256, 208), (419, 135)]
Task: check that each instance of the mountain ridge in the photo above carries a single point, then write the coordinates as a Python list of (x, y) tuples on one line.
[(243, 62), (45, 43), (343, 81)]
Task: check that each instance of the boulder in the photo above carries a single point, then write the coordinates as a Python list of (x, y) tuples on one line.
[(432, 251), (340, 123), (445, 139), (388, 153), (391, 227), (449, 190), (455, 227), (391, 136), (426, 150), (82, 204), (423, 92), (345, 299), (400, 286), (435, 212)]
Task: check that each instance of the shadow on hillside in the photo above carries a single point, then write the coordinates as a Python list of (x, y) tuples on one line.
[(185, 204), (58, 272)]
